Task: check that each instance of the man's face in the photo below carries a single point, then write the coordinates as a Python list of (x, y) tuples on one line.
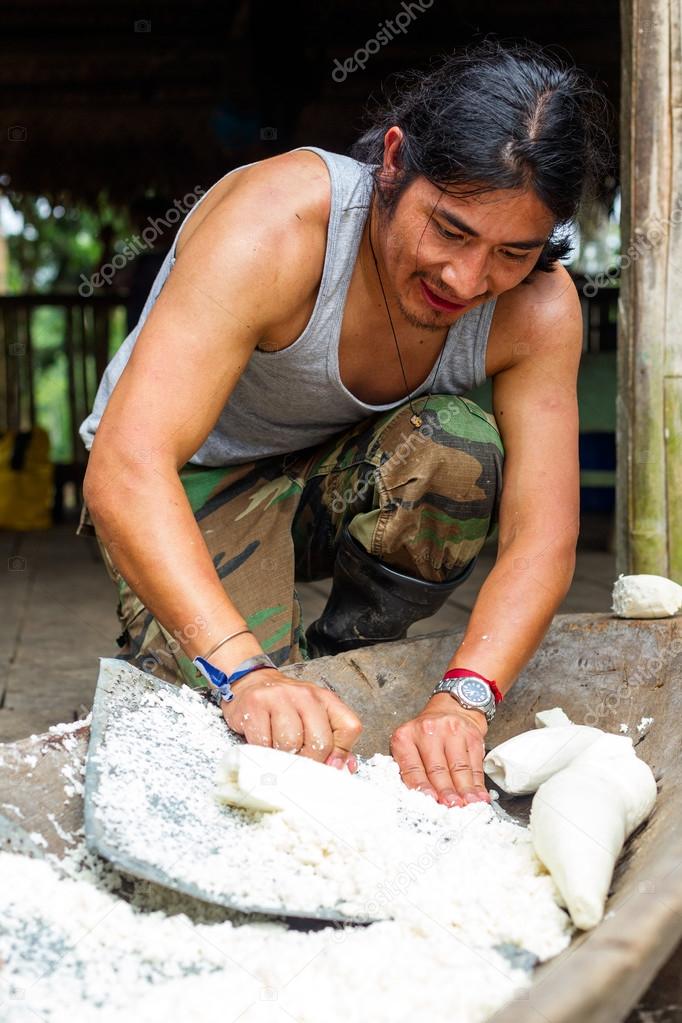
[(446, 255)]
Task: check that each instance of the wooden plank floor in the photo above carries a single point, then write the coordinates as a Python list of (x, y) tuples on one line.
[(57, 606)]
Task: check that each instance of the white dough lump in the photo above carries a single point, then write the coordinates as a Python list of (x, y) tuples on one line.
[(521, 764), (591, 792), (646, 596), (581, 818), (270, 780)]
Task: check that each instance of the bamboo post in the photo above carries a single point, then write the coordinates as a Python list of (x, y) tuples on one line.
[(649, 506)]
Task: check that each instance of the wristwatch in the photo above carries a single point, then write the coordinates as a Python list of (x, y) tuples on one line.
[(471, 690), (220, 683)]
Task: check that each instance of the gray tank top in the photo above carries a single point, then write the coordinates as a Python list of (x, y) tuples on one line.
[(291, 399)]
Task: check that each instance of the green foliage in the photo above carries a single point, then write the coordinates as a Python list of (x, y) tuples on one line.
[(59, 243), (55, 246)]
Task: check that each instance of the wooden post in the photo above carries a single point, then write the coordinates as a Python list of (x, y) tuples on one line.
[(649, 506)]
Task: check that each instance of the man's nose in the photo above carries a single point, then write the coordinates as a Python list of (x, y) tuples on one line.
[(467, 276)]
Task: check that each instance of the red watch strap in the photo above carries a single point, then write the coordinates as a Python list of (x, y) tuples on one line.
[(465, 672)]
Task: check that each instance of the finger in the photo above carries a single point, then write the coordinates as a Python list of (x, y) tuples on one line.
[(345, 725), (351, 761), (342, 758), (476, 749), (434, 758), (255, 726), (318, 741), (405, 753), (287, 728), (459, 766), (233, 714)]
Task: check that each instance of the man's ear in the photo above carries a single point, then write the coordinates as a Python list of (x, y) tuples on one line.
[(392, 172), (393, 142)]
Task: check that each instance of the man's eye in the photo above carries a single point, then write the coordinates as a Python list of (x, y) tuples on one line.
[(513, 255), (448, 234)]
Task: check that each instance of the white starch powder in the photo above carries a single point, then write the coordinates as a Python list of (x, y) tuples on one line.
[(471, 907)]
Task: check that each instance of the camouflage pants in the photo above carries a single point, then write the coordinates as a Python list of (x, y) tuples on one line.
[(421, 500)]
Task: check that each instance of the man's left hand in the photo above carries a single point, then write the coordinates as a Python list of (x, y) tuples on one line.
[(440, 752)]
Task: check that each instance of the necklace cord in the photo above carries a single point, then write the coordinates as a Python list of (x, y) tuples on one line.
[(416, 419)]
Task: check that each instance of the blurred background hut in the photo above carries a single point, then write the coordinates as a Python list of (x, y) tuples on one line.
[(110, 114)]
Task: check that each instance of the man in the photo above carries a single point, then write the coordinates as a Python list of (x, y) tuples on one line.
[(266, 419)]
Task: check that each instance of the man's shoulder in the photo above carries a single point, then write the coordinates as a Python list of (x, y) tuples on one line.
[(268, 221), (293, 184), (540, 313), (285, 197)]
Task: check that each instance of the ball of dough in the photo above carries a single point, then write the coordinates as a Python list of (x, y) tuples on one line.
[(646, 596)]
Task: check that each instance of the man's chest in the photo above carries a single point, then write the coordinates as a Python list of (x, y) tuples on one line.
[(380, 365), (373, 363)]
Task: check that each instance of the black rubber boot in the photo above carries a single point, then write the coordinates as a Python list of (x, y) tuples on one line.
[(372, 603)]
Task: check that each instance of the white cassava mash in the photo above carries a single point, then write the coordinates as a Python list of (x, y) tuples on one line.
[(468, 906), (646, 596)]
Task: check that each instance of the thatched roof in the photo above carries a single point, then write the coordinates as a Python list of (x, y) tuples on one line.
[(89, 103)]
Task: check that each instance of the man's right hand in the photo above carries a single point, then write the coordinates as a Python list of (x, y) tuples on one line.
[(270, 709)]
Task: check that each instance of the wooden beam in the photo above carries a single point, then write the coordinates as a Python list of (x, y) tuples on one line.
[(673, 345), (649, 519)]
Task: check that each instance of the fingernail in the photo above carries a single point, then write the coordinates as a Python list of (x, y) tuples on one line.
[(451, 799), (352, 764), (483, 794), (471, 797), (337, 762)]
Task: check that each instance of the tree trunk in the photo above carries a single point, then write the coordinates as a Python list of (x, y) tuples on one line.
[(649, 507)]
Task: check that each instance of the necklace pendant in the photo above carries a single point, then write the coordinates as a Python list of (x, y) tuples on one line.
[(416, 421)]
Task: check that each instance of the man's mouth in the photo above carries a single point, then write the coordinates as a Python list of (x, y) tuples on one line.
[(437, 302)]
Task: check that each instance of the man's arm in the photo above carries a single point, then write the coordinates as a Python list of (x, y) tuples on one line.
[(247, 269), (536, 409), (535, 405)]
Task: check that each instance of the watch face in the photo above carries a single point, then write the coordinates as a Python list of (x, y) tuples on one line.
[(475, 691)]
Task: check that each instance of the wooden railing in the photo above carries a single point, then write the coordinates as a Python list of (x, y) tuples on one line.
[(86, 342)]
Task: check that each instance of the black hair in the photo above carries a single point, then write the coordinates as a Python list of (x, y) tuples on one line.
[(493, 116)]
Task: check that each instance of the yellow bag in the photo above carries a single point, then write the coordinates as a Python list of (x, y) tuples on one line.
[(26, 480)]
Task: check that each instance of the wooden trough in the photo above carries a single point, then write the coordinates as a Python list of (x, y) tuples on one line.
[(601, 671)]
